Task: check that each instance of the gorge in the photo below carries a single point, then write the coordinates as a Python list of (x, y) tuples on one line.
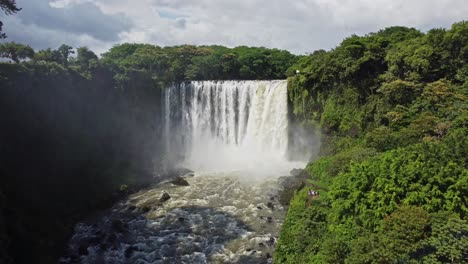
[(91, 147), (234, 135)]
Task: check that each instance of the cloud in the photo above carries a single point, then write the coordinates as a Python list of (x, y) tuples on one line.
[(299, 26)]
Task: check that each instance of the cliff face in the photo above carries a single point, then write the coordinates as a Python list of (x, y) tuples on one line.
[(68, 144)]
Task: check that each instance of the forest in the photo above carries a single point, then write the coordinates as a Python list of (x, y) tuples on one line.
[(392, 173)]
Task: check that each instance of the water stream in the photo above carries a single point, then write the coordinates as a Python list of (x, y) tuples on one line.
[(234, 135)]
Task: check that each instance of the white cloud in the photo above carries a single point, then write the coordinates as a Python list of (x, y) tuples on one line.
[(299, 26)]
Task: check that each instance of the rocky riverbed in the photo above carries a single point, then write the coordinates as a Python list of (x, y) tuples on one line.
[(201, 218)]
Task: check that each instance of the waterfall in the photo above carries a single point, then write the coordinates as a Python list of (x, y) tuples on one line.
[(228, 126)]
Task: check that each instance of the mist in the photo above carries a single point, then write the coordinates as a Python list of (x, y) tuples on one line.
[(240, 127)]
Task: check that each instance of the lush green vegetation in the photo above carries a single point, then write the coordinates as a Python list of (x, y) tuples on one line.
[(393, 168), (76, 128)]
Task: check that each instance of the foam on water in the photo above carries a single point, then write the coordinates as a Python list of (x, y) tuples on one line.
[(229, 126), (217, 219)]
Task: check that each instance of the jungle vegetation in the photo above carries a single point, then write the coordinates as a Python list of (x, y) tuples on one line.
[(392, 176)]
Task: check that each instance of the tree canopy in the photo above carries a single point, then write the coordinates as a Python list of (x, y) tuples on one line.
[(392, 106), (9, 7)]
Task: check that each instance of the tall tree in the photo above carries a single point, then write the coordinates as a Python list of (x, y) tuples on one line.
[(15, 51), (9, 7), (65, 51), (48, 55)]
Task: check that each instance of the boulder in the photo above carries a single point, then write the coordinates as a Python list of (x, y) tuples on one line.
[(129, 251), (146, 208), (296, 172), (180, 181), (271, 205), (164, 197), (83, 249), (118, 226)]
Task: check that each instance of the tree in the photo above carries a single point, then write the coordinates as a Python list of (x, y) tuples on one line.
[(48, 55), (9, 7), (85, 58), (16, 51), (65, 51)]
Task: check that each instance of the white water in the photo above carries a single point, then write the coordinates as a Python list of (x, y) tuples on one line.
[(218, 219), (237, 126), (229, 133)]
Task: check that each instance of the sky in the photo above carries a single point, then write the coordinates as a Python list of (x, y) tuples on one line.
[(300, 26)]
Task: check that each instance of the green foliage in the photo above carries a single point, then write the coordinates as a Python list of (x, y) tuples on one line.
[(189, 62), (48, 55), (15, 51), (448, 240), (9, 7), (394, 166)]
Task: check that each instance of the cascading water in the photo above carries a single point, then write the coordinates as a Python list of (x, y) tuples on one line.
[(231, 133), (229, 126)]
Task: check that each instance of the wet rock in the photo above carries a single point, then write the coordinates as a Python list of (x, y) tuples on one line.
[(271, 241), (168, 251), (146, 208), (271, 205), (189, 175), (118, 226), (180, 181), (95, 240), (181, 219), (296, 172), (131, 208), (111, 240), (164, 197), (259, 208), (261, 244), (267, 255), (269, 219), (301, 186), (248, 249), (129, 251), (291, 184), (261, 217), (83, 249)]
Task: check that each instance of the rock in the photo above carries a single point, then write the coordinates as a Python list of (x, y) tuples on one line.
[(164, 197), (261, 244), (181, 219), (83, 249), (129, 251), (259, 208), (296, 172), (146, 208), (269, 219), (268, 255), (291, 184), (96, 240), (271, 205), (189, 175), (180, 181), (248, 249), (301, 186), (131, 208), (118, 225), (271, 241)]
